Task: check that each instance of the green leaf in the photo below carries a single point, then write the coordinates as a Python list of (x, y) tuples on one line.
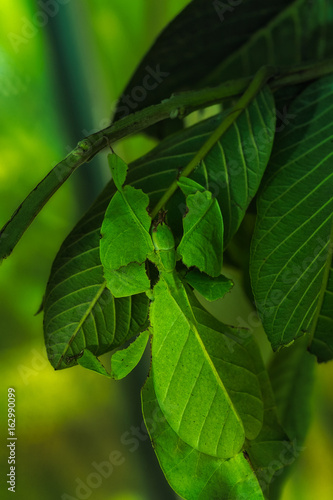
[(79, 311), (125, 360), (209, 395), (189, 186), (127, 280), (290, 257), (195, 475), (89, 361), (125, 229), (210, 288), (299, 32), (202, 243), (118, 170)]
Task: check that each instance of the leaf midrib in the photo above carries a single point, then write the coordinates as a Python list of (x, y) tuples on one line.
[(205, 353), (135, 217)]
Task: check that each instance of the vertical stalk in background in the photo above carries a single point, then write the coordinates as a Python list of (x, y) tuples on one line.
[(69, 49)]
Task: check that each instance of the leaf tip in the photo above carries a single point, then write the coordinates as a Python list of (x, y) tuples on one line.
[(118, 170)]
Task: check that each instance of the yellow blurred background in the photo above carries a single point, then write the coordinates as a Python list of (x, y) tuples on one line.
[(61, 70)]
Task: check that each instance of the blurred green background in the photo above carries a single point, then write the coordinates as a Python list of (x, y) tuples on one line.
[(62, 67)]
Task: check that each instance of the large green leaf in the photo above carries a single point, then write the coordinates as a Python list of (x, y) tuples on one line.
[(209, 394), (80, 312), (195, 475), (291, 256), (298, 33)]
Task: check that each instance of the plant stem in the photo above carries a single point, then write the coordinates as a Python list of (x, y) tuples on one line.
[(301, 74), (259, 80), (178, 105)]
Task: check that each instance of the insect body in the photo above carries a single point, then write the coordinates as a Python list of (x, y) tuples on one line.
[(164, 245), (69, 359)]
